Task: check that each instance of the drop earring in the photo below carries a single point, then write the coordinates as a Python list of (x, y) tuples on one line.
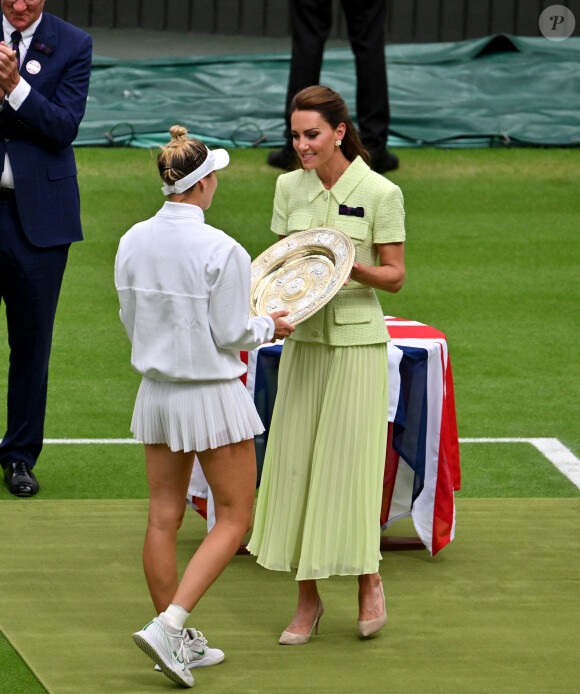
[(338, 142)]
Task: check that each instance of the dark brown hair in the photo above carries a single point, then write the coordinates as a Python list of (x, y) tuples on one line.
[(331, 106), (181, 156)]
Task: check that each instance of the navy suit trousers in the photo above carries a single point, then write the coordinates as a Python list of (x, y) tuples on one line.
[(30, 281), (365, 19)]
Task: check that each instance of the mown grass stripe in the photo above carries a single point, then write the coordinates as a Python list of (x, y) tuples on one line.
[(552, 448)]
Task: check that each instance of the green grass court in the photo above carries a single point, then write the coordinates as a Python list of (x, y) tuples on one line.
[(492, 261)]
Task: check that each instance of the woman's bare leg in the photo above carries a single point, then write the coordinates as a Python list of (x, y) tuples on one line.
[(370, 598), (307, 609), (231, 474), (168, 475)]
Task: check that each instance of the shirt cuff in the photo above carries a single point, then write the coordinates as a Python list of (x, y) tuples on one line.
[(271, 328), (18, 94)]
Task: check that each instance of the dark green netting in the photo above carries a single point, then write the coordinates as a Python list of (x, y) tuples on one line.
[(496, 90)]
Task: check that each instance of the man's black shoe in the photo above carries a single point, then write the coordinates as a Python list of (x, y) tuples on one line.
[(20, 479), (385, 161), (284, 158)]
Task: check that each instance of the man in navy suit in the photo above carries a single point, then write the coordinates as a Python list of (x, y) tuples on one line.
[(45, 67)]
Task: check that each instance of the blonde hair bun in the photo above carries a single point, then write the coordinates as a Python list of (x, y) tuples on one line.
[(178, 132)]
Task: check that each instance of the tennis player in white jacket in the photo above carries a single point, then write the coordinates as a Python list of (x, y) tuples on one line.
[(184, 291)]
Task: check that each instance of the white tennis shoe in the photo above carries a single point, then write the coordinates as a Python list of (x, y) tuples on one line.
[(167, 651), (198, 652)]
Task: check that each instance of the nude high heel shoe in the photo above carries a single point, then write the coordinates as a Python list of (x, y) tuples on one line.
[(371, 626), (289, 638)]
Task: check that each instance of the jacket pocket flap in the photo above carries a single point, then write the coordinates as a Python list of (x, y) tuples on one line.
[(355, 228), (299, 222), (62, 171), (349, 315)]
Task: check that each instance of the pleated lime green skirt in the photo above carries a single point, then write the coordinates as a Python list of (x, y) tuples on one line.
[(319, 501)]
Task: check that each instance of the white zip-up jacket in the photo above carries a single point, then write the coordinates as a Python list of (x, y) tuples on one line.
[(184, 290)]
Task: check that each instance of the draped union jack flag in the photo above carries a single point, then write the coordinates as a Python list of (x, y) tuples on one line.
[(422, 463)]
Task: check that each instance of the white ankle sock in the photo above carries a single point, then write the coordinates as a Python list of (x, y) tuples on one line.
[(174, 617)]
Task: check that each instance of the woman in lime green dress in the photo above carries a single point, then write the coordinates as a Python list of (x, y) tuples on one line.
[(319, 502)]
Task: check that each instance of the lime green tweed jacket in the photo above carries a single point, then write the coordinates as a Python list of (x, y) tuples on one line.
[(367, 207)]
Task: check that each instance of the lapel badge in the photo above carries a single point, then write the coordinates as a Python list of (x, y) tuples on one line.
[(33, 67)]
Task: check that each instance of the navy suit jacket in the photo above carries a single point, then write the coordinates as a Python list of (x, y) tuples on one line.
[(38, 136)]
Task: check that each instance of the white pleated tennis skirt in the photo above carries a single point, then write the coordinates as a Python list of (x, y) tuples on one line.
[(194, 416)]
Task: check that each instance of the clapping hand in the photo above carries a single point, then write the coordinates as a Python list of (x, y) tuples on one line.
[(9, 76)]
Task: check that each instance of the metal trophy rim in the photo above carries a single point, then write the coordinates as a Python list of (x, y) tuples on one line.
[(301, 273)]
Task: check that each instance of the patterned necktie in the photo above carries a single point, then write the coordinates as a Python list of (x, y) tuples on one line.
[(16, 36)]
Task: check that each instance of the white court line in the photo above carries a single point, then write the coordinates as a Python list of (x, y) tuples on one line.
[(553, 449), (91, 441)]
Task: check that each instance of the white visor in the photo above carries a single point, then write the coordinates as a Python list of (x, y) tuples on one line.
[(216, 159)]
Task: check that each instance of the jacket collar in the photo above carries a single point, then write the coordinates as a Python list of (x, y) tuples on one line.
[(44, 36), (341, 190), (182, 209)]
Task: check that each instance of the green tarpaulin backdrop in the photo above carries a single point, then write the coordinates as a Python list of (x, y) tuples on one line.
[(496, 90)]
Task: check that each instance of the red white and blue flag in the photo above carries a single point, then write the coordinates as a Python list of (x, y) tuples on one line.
[(422, 468)]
